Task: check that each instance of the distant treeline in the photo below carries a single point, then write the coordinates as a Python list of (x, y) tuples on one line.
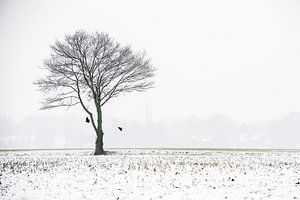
[(40, 131)]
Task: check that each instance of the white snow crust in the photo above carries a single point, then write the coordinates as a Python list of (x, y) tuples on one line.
[(149, 174)]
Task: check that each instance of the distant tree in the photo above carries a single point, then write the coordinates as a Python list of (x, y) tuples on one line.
[(93, 68)]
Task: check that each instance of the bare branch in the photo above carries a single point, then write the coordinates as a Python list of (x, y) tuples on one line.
[(95, 67)]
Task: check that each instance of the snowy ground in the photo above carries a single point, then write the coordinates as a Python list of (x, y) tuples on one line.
[(149, 174)]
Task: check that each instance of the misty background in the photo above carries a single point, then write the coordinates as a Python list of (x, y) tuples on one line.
[(216, 131), (227, 73)]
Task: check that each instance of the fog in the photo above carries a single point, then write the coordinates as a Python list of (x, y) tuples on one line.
[(216, 131), (227, 73)]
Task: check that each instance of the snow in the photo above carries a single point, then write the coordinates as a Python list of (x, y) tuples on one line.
[(150, 174)]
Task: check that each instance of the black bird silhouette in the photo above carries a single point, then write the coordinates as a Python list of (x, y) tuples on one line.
[(87, 120), (120, 128)]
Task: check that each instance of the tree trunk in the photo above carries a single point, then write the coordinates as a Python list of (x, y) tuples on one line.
[(99, 145), (99, 140)]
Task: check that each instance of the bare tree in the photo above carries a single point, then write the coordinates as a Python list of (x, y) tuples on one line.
[(91, 69)]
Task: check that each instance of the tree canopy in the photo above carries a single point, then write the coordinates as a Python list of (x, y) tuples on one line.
[(92, 67)]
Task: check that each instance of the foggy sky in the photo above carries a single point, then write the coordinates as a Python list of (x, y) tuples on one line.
[(239, 59)]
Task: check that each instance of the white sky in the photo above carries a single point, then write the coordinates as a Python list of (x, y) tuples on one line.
[(238, 58)]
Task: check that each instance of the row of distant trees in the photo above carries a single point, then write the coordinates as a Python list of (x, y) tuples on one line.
[(214, 131)]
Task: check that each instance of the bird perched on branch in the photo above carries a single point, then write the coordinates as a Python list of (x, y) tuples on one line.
[(87, 120), (120, 128)]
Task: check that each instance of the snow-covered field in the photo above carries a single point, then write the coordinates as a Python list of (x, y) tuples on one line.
[(149, 174)]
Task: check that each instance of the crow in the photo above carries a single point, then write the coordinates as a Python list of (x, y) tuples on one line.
[(87, 120), (120, 128)]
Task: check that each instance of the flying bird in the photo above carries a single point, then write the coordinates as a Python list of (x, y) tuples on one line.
[(120, 128), (87, 120)]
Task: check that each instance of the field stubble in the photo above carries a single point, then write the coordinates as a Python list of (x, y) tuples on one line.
[(150, 174)]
